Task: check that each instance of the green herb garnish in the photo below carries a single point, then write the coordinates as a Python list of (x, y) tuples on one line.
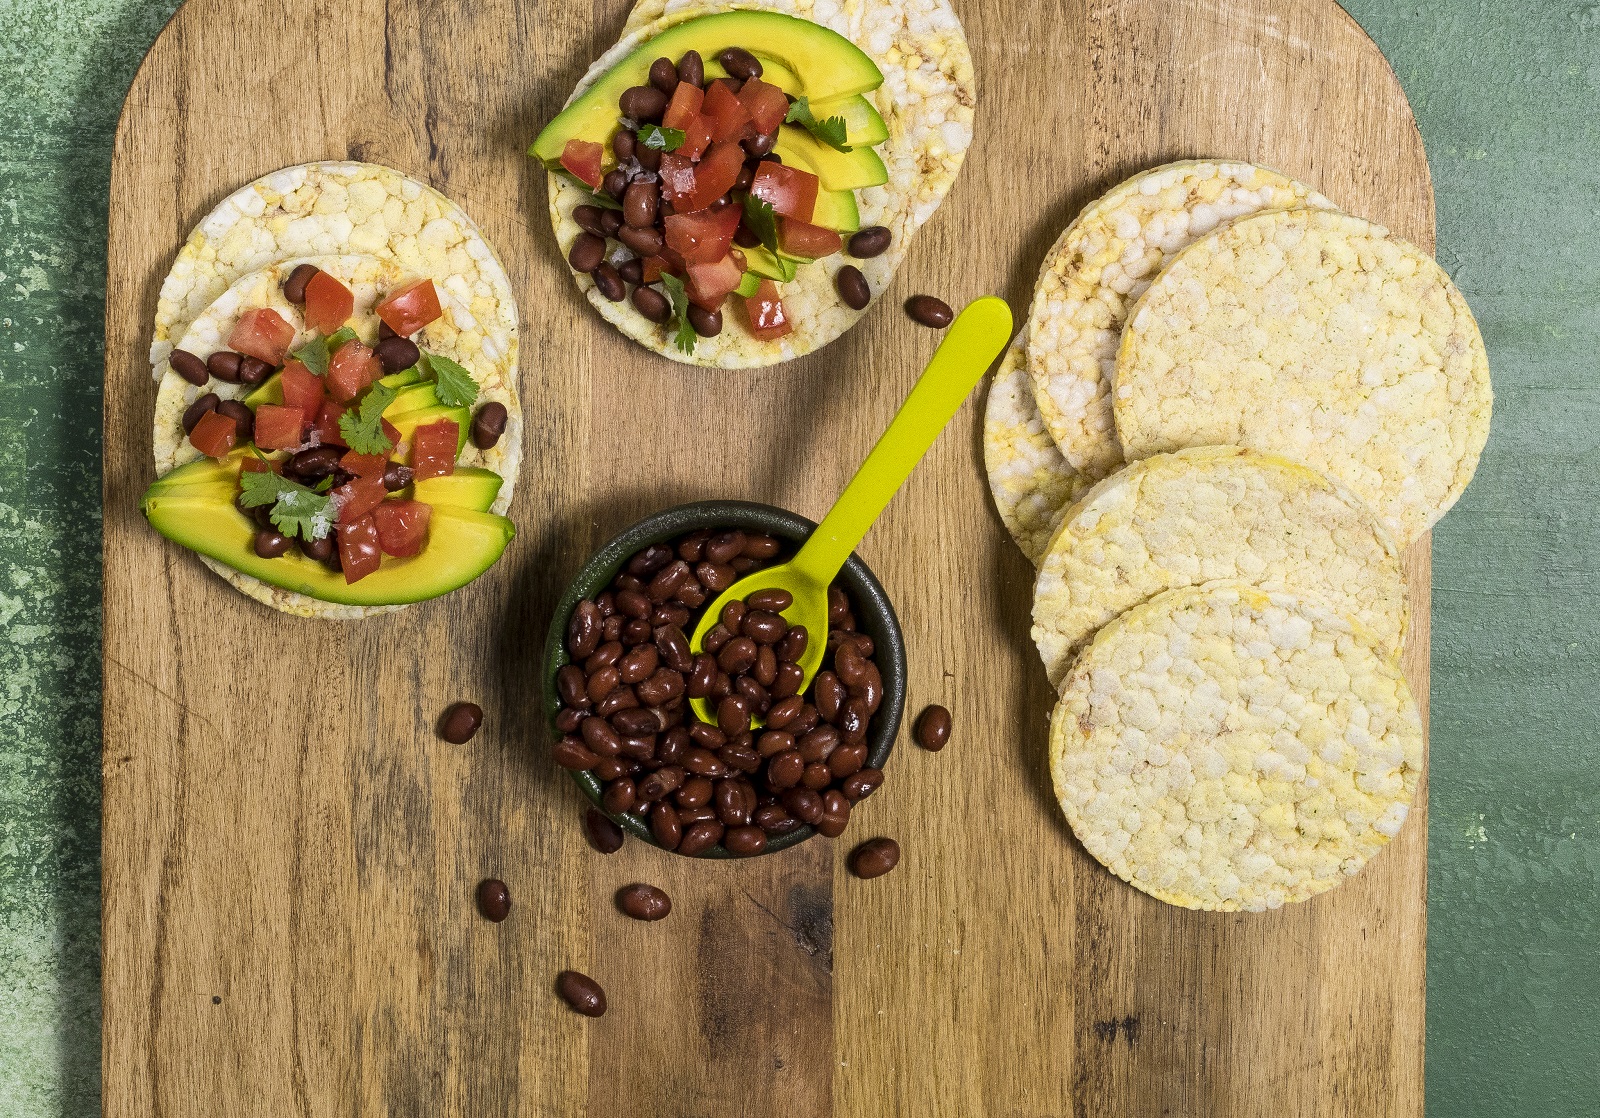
[(760, 220), (339, 337), (657, 138), (830, 131), (362, 427), (680, 312), (296, 509), (452, 383), (314, 355)]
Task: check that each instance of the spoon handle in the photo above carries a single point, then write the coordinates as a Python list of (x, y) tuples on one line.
[(974, 340)]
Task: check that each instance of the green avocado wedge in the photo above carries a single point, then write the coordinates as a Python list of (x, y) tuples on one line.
[(836, 170), (824, 66), (836, 210), (863, 127), (470, 487), (462, 544)]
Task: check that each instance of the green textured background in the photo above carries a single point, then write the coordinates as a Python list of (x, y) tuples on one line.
[(1506, 95)]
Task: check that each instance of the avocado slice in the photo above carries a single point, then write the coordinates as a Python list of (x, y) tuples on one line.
[(470, 487), (816, 61), (407, 422), (401, 379), (462, 544), (863, 126), (413, 397), (836, 170), (836, 210), (269, 391), (762, 261), (749, 284)]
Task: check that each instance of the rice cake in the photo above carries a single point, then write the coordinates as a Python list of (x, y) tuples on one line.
[(1222, 747), (1211, 513), (1102, 264), (1320, 337), (926, 100), (1032, 484), (333, 209)]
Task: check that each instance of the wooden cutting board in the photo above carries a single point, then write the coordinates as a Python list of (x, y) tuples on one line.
[(290, 852)]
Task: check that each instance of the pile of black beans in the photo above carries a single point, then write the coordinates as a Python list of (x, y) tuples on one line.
[(624, 711)]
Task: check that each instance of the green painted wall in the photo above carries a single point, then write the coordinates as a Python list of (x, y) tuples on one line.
[(1506, 95)]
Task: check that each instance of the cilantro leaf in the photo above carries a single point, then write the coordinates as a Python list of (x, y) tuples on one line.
[(314, 355), (685, 338), (657, 138), (339, 337), (362, 427), (296, 510), (830, 131), (760, 220), (452, 384)]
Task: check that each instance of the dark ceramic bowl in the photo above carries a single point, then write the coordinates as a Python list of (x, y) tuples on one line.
[(874, 615)]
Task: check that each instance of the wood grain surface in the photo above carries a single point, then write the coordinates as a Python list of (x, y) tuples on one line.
[(290, 851)]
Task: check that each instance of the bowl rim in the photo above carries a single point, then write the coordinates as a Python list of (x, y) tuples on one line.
[(878, 618)]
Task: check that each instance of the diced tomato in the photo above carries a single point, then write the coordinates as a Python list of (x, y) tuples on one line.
[(583, 159), (709, 284), (262, 333), (433, 449), (766, 104), (677, 179), (364, 465), (254, 465), (653, 267), (329, 303), (410, 308), (214, 435), (788, 190), (684, 106), (279, 427), (768, 320), (351, 368), (360, 553), (302, 389), (801, 238), (328, 431), (359, 496), (402, 526), (715, 175), (703, 237), (696, 137), (390, 432), (730, 120)]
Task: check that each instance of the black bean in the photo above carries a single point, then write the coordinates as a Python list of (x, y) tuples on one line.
[(494, 899), (586, 253), (643, 103), (243, 418), (396, 354), (740, 63), (640, 240), (664, 75), (644, 902), (869, 242), (610, 222), (460, 722), (852, 286), (488, 425), (315, 464), (757, 146), (270, 543), (582, 993), (253, 370), (692, 69), (927, 310), (193, 413), (652, 304), (745, 842), (608, 282), (189, 367), (321, 550), (875, 857), (294, 288), (604, 834), (933, 728), (396, 477), (588, 219), (639, 204), (224, 365), (708, 324), (631, 271)]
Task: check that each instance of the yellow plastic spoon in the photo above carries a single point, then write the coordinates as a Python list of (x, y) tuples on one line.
[(974, 340)]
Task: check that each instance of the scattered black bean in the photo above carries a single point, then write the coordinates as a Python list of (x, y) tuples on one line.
[(494, 899), (460, 722), (926, 310)]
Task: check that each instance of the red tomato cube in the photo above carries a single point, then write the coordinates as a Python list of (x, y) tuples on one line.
[(768, 320), (410, 308), (702, 237), (696, 137), (263, 334), (800, 238), (279, 427), (351, 368), (433, 449), (730, 120), (364, 465), (302, 389), (583, 159), (328, 431), (677, 179), (402, 526), (684, 106), (766, 104), (715, 175), (710, 284), (329, 303), (214, 435), (390, 432), (788, 190), (358, 496), (360, 553)]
